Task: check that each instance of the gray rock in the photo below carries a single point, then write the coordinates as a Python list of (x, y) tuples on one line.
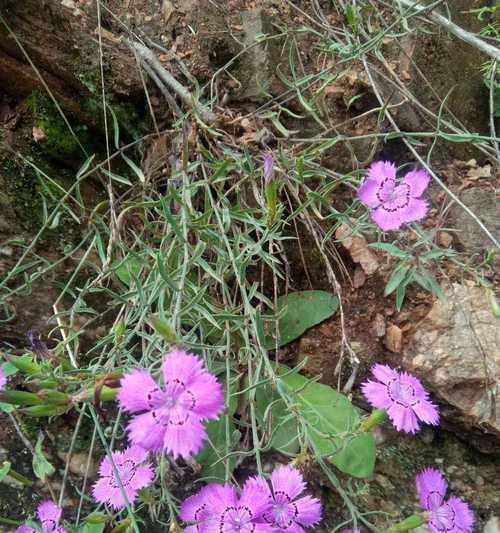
[(485, 204), (456, 349), (256, 71), (492, 525)]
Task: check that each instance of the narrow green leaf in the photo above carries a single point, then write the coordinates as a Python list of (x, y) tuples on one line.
[(396, 278)]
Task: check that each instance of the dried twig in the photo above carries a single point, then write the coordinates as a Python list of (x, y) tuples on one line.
[(148, 57), (456, 30)]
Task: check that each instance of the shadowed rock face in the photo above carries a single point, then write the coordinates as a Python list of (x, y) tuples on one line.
[(456, 349)]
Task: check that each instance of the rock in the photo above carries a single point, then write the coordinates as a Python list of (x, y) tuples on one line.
[(379, 325), (256, 72), (456, 349), (484, 204), (393, 338), (358, 249), (79, 463), (492, 525), (359, 278)]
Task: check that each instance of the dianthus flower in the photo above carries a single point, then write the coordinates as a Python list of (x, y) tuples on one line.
[(3, 379), (49, 515), (446, 516), (172, 418), (217, 508), (288, 513), (134, 474), (394, 203), (402, 397)]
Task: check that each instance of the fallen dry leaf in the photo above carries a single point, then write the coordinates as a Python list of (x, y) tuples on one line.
[(358, 249), (393, 339)]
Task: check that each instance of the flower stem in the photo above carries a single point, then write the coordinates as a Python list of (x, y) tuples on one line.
[(412, 522), (377, 417)]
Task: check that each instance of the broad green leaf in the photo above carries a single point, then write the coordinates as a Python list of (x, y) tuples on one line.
[(214, 469), (332, 420), (282, 425), (299, 311), (329, 419), (41, 467), (211, 456), (92, 528)]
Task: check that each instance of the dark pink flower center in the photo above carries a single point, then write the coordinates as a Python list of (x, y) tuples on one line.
[(443, 518), (236, 519), (397, 199), (127, 471), (402, 393), (178, 403), (283, 513)]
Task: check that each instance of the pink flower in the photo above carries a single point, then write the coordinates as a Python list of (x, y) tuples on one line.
[(172, 418), (446, 516), (394, 203), (402, 396), (134, 474), (50, 515), (288, 513), (3, 379), (218, 508)]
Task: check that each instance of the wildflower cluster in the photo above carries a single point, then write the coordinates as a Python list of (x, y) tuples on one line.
[(259, 508), (169, 416)]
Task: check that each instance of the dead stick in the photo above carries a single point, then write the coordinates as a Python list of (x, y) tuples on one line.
[(146, 55), (456, 30)]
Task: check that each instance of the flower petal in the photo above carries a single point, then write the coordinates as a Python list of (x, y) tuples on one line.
[(184, 439), (25, 529), (309, 511), (288, 481), (196, 508), (384, 373), (431, 488), (139, 392), (255, 495), (367, 193), (207, 394), (464, 517), (418, 180), (415, 210), (49, 514), (386, 220), (147, 430), (380, 171), (3, 379), (376, 394), (403, 418), (181, 367)]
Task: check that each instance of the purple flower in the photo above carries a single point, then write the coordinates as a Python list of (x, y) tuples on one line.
[(402, 396), (394, 203), (172, 418), (134, 474), (268, 165), (288, 513), (217, 508), (3, 379), (50, 515), (446, 516)]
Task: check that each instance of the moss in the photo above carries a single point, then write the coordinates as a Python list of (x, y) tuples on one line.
[(59, 142)]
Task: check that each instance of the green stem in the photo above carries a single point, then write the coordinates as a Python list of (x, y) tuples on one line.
[(412, 522), (19, 477), (377, 417)]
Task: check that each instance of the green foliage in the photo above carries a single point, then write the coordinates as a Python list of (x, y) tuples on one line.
[(321, 416), (41, 467), (414, 266), (299, 311)]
